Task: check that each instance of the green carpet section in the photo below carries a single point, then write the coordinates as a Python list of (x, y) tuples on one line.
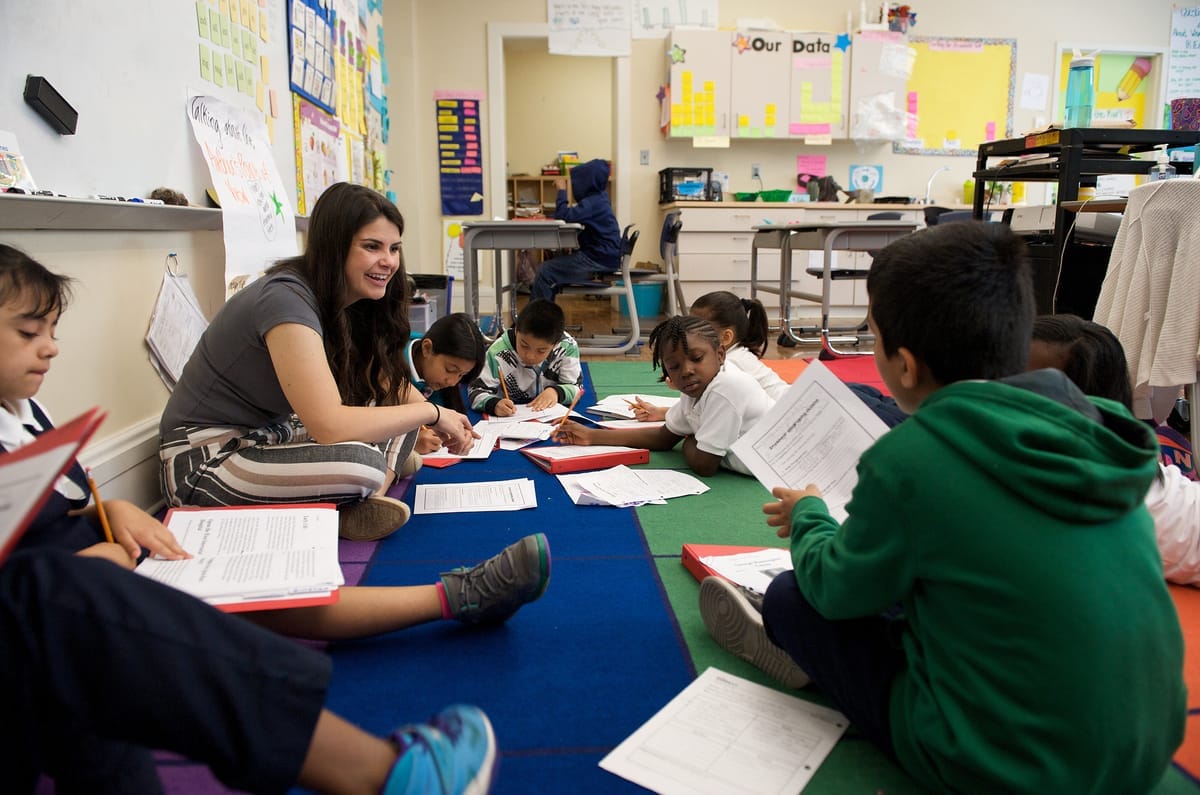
[(731, 513)]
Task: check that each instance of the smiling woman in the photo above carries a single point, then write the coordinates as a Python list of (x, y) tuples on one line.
[(299, 389)]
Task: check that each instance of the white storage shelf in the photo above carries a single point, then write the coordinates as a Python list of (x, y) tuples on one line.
[(715, 241)]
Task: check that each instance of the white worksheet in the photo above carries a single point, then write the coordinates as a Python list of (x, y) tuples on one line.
[(724, 735), (526, 414), (480, 450), (623, 487), (815, 433), (753, 570), (493, 495)]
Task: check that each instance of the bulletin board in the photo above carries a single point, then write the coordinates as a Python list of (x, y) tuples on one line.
[(960, 94), (1144, 105)]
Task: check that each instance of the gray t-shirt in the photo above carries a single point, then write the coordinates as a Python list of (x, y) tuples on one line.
[(229, 380)]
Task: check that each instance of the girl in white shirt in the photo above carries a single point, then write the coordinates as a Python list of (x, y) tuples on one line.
[(741, 325), (717, 405)]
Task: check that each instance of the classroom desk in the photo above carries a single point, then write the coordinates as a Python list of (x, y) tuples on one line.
[(828, 237), (504, 237)]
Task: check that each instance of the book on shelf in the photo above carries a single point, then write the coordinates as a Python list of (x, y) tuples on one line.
[(561, 459), (258, 557), (28, 474)]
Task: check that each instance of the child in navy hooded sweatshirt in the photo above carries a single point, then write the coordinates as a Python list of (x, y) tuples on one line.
[(600, 241)]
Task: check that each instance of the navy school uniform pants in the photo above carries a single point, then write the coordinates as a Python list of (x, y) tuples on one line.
[(853, 662), (98, 665)]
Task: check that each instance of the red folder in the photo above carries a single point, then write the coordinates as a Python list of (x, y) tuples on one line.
[(561, 466), (25, 489), (692, 553)]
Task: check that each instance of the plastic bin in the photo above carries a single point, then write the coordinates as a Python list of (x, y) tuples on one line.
[(439, 287), (421, 316), (647, 299)]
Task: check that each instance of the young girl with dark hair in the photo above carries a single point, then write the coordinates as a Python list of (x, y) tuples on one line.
[(450, 353)]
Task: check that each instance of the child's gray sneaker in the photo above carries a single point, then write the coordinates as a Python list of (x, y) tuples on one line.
[(737, 627), (493, 590)]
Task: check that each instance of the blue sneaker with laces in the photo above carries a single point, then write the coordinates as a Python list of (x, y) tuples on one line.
[(453, 754)]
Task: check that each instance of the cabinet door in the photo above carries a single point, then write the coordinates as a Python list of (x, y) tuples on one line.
[(820, 85), (700, 83), (879, 68), (759, 89)]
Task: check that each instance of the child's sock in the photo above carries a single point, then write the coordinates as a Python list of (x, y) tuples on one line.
[(441, 592)]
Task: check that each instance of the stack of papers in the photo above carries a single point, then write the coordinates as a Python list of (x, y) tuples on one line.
[(526, 414), (515, 435), (618, 406), (488, 496), (622, 487), (480, 450)]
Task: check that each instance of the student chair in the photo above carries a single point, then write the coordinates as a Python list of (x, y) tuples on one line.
[(668, 247), (618, 283)]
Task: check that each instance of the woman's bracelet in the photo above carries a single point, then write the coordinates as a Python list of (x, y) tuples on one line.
[(439, 413)]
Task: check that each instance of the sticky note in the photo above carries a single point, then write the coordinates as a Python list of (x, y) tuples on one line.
[(236, 45), (274, 104), (202, 18), (214, 25), (252, 23), (259, 95), (224, 7), (226, 29), (262, 24), (218, 69), (230, 71), (264, 65), (206, 63)]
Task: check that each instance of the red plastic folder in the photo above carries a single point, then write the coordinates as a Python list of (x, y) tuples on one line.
[(28, 474), (692, 554), (557, 465)]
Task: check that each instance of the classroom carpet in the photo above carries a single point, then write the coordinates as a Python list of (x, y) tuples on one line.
[(616, 636)]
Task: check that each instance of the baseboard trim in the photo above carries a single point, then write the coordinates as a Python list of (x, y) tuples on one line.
[(125, 465)]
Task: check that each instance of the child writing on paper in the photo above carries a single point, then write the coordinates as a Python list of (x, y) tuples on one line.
[(717, 405), (450, 353), (1005, 517), (1092, 357), (31, 300), (600, 241), (89, 724), (534, 362)]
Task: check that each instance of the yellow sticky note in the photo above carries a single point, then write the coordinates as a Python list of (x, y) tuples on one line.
[(234, 9), (271, 129), (262, 24), (259, 95), (223, 5), (205, 63), (274, 104), (743, 120), (253, 20), (202, 18), (264, 64), (245, 17)]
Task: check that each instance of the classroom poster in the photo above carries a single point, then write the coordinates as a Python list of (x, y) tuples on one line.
[(321, 153), (460, 152), (589, 27), (257, 218), (1183, 74), (1116, 98), (452, 249), (654, 19), (311, 52)]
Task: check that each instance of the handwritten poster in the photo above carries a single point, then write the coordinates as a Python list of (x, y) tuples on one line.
[(1183, 72), (589, 27), (460, 153), (321, 158), (452, 248), (654, 19), (257, 216)]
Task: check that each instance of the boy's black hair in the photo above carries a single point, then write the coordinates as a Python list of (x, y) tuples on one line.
[(457, 335), (746, 316), (1092, 355), (959, 297), (673, 332), (23, 277), (542, 319)]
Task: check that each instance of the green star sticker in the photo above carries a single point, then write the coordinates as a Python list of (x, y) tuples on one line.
[(278, 204), (677, 53)]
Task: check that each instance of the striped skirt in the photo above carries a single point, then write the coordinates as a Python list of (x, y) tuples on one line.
[(227, 465)]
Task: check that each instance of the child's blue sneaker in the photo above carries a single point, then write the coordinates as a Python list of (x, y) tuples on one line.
[(452, 754)]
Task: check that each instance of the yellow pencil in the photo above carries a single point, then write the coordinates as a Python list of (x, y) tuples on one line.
[(108, 534), (570, 408), (504, 386)]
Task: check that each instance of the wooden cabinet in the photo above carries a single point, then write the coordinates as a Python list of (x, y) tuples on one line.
[(700, 83)]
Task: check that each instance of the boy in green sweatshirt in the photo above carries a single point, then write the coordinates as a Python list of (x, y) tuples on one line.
[(992, 613)]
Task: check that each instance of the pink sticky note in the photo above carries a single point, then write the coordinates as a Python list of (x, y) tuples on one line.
[(990, 131), (810, 164)]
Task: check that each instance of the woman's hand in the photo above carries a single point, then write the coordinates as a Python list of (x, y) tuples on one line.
[(455, 431), (134, 529), (779, 514)]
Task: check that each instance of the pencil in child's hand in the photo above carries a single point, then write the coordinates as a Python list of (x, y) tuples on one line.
[(108, 534), (504, 386), (570, 408)]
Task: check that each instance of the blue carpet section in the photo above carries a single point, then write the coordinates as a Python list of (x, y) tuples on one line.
[(567, 678)]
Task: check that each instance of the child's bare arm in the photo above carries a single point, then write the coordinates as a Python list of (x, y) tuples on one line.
[(650, 438), (702, 463)]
